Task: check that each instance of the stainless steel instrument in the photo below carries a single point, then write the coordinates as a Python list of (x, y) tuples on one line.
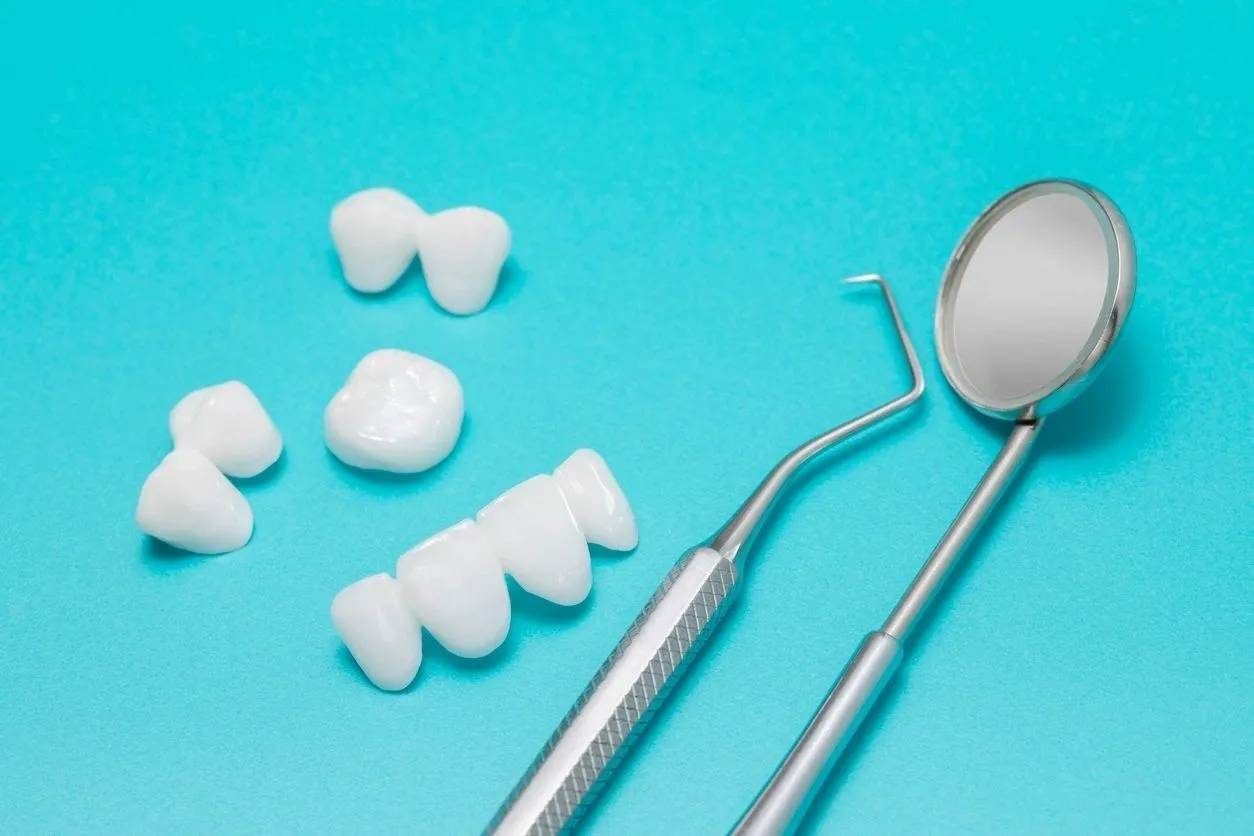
[(581, 754), (1032, 299)]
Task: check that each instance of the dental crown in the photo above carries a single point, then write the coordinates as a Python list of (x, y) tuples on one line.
[(453, 583), (398, 411), (377, 232), (187, 501)]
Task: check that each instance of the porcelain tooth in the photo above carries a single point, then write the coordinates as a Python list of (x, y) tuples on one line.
[(537, 541), (596, 501), (462, 252), (188, 503), (229, 426), (398, 411), (453, 584), (375, 232), (456, 587), (379, 630)]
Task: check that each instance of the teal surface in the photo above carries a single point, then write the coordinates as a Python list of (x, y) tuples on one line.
[(685, 186)]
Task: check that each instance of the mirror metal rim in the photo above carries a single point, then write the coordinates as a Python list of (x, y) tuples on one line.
[(1121, 281)]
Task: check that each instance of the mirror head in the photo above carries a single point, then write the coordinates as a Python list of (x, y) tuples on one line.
[(1033, 297)]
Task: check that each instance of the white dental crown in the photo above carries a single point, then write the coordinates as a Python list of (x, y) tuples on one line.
[(187, 501), (398, 411), (453, 583), (377, 232)]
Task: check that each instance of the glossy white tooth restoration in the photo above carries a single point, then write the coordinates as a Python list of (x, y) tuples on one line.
[(537, 541), (229, 426), (398, 411), (455, 586), (380, 630), (596, 501), (188, 503), (377, 232), (462, 252)]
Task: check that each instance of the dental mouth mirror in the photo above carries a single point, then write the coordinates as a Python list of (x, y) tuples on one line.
[(1031, 301), (579, 758)]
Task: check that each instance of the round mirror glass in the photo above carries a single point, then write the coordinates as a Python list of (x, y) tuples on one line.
[(1028, 295)]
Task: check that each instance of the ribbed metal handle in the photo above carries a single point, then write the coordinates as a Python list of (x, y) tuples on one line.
[(582, 753)]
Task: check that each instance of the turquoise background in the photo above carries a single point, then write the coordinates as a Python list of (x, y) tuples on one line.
[(685, 185)]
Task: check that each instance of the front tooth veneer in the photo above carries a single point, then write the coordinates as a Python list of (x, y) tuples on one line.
[(596, 500), (377, 232), (188, 503), (380, 630), (462, 251), (538, 542), (229, 426), (398, 412), (454, 584)]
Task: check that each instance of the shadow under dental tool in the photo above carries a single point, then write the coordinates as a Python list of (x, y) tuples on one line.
[(1101, 414), (1100, 417)]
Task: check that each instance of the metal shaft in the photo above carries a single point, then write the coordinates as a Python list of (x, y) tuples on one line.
[(781, 804), (928, 582), (738, 532), (580, 756)]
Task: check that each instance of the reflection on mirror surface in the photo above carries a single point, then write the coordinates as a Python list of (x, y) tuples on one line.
[(1030, 296)]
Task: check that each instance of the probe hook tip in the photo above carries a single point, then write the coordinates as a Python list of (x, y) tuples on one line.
[(865, 278)]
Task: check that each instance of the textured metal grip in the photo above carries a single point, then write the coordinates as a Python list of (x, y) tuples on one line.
[(582, 753)]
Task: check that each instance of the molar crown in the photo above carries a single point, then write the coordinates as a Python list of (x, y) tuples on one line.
[(377, 232), (454, 582), (398, 411)]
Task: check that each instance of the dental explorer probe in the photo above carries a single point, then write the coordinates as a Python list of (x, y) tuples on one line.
[(564, 779)]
